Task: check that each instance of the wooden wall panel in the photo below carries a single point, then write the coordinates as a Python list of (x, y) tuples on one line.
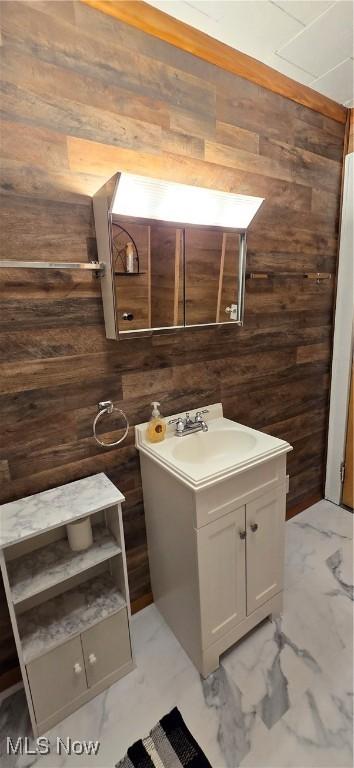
[(153, 21), (133, 291), (165, 271), (203, 250), (82, 96), (351, 132)]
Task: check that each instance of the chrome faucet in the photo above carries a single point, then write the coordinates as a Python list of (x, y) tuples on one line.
[(187, 426)]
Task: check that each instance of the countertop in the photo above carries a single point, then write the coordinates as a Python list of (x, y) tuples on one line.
[(33, 515)]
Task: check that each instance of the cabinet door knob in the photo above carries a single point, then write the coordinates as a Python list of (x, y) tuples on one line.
[(242, 534), (77, 668), (92, 659), (254, 527)]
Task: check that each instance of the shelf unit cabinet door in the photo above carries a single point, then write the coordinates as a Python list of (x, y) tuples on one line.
[(265, 548), (222, 575), (106, 647), (57, 679)]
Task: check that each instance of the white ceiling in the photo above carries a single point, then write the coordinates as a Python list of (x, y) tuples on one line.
[(308, 40)]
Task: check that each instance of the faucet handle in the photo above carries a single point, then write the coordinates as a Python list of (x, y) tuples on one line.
[(199, 415), (179, 424)]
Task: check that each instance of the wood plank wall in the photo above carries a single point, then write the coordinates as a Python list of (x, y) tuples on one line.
[(351, 132), (83, 96)]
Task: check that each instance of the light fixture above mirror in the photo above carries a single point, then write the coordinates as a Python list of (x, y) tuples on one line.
[(175, 254), (149, 198)]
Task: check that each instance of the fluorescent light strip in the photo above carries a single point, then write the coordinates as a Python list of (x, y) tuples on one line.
[(168, 201)]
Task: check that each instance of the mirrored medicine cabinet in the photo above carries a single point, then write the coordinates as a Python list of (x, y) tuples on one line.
[(172, 257)]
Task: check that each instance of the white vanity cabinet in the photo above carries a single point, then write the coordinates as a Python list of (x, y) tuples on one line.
[(216, 544), (221, 554), (265, 547), (240, 563), (70, 611)]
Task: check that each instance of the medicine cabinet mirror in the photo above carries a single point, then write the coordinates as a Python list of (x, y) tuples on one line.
[(172, 257)]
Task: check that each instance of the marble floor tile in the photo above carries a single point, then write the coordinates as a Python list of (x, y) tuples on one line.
[(281, 697), (239, 725), (271, 670), (313, 536), (318, 731)]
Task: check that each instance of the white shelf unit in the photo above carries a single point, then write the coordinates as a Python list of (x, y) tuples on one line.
[(70, 611), (56, 563)]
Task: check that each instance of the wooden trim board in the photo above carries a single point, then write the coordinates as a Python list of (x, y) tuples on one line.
[(351, 132), (159, 24), (300, 506), (342, 344), (141, 602), (348, 486)]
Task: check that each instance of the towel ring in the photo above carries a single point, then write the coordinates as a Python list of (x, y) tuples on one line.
[(106, 406)]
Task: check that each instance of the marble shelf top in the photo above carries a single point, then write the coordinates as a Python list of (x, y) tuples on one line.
[(57, 620), (36, 514), (55, 563)]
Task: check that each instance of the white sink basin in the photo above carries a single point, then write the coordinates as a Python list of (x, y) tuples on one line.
[(203, 458), (205, 446)]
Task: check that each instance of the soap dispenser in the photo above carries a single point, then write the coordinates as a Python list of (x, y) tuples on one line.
[(157, 428)]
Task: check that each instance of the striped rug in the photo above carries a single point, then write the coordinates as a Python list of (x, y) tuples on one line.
[(169, 745)]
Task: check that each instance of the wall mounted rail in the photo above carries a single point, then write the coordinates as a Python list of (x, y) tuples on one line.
[(317, 276), (93, 266)]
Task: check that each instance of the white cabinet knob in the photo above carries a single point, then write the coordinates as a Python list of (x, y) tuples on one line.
[(92, 659), (77, 668)]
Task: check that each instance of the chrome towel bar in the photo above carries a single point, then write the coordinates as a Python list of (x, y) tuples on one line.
[(317, 276), (92, 266)]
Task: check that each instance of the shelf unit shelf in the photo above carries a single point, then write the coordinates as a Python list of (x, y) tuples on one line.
[(67, 615), (54, 564)]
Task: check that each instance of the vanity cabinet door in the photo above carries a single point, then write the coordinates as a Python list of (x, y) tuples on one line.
[(265, 518), (57, 679), (221, 561), (106, 647)]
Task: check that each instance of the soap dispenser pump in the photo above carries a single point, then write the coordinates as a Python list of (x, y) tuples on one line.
[(157, 428)]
